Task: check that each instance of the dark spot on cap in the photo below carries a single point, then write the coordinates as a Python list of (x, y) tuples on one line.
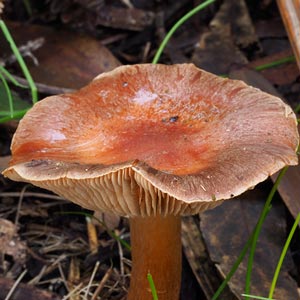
[(173, 119)]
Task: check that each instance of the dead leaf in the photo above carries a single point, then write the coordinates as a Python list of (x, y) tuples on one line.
[(231, 30), (280, 75), (65, 59), (226, 230), (216, 53), (253, 78)]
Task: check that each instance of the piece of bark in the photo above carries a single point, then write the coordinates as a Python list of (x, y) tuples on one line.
[(226, 230), (290, 13), (65, 59), (24, 292)]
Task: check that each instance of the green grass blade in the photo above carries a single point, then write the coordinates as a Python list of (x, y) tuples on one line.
[(20, 61), (282, 256), (276, 63), (258, 230), (8, 93), (11, 78), (152, 286), (272, 64), (256, 297), (176, 26), (16, 115)]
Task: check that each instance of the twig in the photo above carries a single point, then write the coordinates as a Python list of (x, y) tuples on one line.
[(15, 285), (26, 50), (62, 275), (46, 270), (91, 279), (20, 204), (44, 88), (101, 284), (71, 293)]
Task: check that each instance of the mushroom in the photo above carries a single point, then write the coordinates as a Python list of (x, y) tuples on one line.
[(154, 142)]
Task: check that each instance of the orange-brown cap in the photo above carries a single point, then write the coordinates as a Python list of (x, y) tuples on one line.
[(154, 139)]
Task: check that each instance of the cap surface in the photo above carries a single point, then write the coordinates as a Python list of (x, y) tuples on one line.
[(149, 139)]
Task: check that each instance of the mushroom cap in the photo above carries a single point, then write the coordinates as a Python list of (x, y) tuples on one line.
[(154, 139)]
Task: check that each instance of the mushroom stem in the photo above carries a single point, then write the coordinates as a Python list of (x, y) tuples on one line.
[(156, 249)]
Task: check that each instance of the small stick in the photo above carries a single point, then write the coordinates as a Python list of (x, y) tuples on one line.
[(91, 279), (20, 204), (101, 284), (15, 285)]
